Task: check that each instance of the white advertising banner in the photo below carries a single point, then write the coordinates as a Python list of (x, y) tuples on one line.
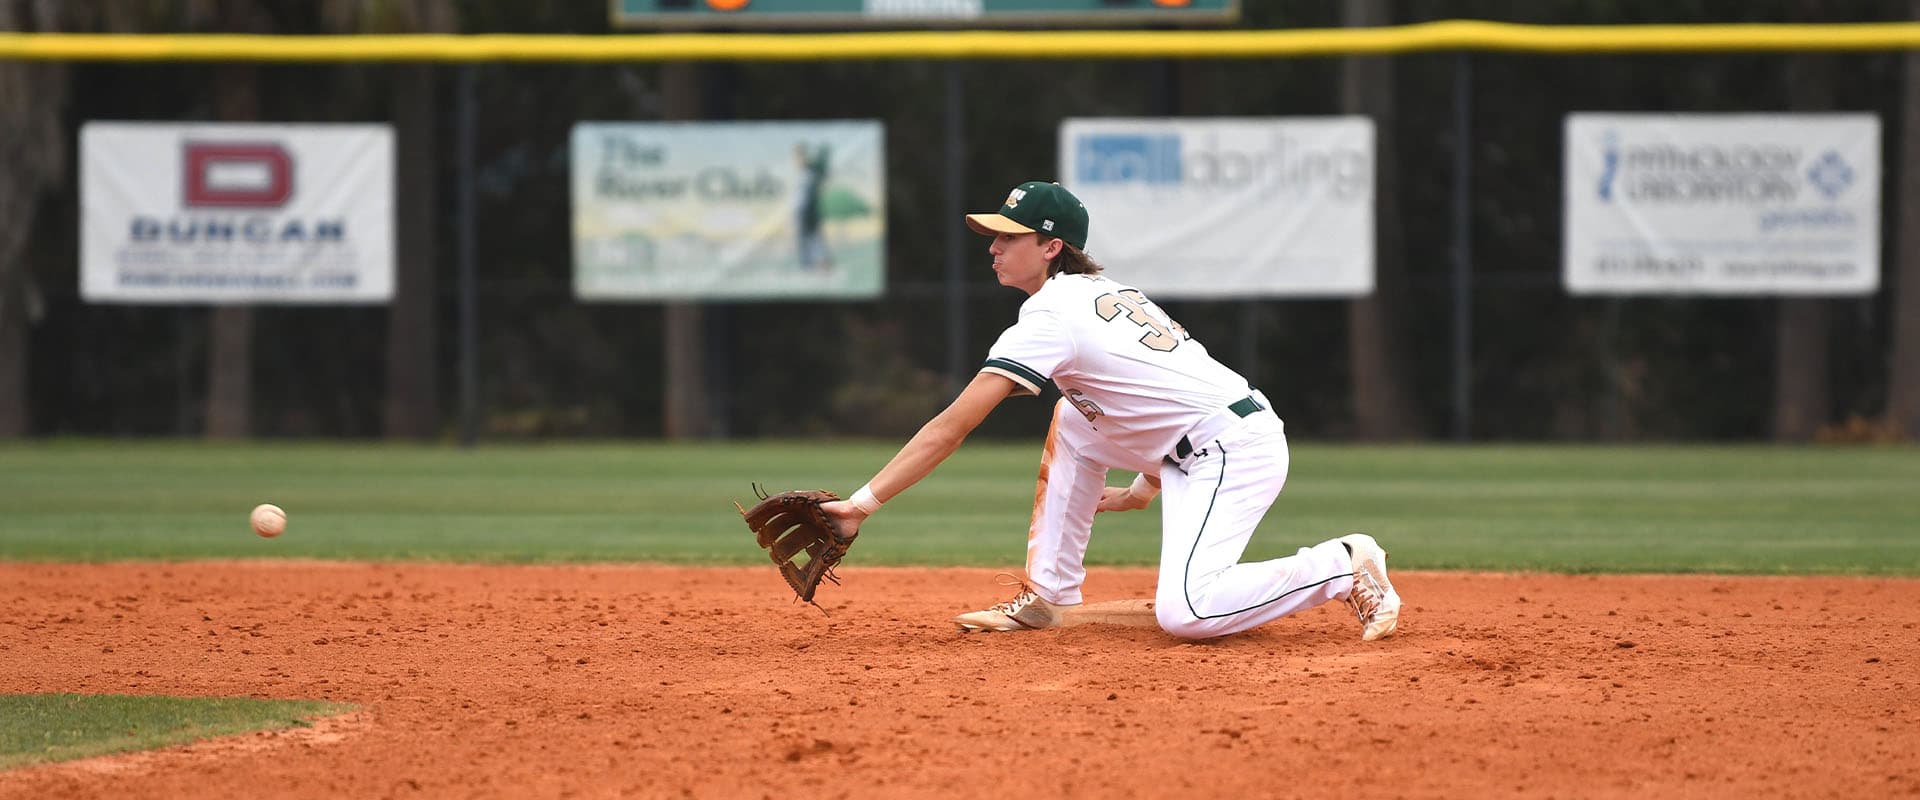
[(230, 213), (729, 210), (1722, 204), (1227, 208)]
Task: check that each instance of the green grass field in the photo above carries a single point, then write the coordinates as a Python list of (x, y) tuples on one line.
[(57, 727), (1576, 509)]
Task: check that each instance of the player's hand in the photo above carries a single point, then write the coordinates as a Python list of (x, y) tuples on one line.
[(1117, 498), (845, 516)]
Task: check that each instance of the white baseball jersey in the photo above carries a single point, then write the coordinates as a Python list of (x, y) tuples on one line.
[(1131, 370)]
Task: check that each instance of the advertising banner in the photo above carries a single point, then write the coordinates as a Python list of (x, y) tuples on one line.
[(729, 210), (1722, 204), (227, 213), (1227, 208)]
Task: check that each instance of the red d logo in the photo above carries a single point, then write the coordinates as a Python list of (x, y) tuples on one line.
[(237, 175)]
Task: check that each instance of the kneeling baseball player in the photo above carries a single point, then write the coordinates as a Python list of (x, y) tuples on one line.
[(1137, 393)]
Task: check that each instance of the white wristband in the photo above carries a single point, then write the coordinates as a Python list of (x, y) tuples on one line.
[(1141, 489), (865, 501)]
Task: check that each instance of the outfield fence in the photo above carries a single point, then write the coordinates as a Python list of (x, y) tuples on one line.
[(1478, 125)]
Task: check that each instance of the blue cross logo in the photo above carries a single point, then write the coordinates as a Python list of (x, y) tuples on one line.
[(1830, 174)]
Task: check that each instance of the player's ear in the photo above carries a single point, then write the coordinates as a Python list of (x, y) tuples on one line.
[(1050, 247)]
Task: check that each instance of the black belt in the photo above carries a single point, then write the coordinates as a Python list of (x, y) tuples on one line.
[(1241, 407)]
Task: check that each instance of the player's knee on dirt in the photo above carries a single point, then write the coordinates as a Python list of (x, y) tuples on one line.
[(1176, 619), (1200, 614)]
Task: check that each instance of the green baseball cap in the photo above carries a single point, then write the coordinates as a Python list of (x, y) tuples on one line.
[(1037, 207)]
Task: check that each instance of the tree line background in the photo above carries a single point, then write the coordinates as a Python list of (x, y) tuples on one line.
[(1546, 365)]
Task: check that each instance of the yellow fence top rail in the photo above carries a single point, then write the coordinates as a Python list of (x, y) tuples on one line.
[(966, 44)]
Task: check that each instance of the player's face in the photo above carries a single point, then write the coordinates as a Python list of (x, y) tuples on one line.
[(1020, 260)]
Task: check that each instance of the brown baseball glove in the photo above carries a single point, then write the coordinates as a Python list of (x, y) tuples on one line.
[(799, 537)]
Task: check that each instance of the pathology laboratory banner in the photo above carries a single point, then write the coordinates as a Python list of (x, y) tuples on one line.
[(1722, 204), (729, 210), (1227, 208), (232, 213)]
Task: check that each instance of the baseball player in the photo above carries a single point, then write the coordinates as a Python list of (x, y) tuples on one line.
[(1137, 393)]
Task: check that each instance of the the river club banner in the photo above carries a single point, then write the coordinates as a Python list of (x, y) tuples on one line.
[(729, 210)]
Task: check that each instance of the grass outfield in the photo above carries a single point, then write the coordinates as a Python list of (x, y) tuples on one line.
[(1750, 509), (38, 728)]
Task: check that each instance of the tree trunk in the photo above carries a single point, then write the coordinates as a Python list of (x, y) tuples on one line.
[(1381, 410), (33, 152), (1903, 380), (686, 400), (19, 199), (413, 400), (1801, 402), (686, 395), (230, 337), (230, 373), (14, 420), (1802, 399)]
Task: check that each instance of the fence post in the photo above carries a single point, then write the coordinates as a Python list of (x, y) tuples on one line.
[(956, 293), (465, 112), (1462, 246)]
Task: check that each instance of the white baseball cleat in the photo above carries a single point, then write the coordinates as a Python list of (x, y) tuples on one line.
[(1372, 597), (1027, 611)]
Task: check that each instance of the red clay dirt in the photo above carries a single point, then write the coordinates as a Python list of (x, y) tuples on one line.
[(647, 681)]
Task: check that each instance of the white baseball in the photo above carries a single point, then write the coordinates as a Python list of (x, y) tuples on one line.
[(269, 520)]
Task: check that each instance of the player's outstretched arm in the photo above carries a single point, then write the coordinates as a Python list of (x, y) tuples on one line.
[(933, 444)]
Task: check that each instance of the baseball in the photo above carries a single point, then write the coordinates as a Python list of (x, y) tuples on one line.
[(269, 520)]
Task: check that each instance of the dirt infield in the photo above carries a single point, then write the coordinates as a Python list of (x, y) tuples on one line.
[(594, 681)]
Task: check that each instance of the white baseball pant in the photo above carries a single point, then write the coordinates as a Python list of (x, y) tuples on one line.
[(1210, 503)]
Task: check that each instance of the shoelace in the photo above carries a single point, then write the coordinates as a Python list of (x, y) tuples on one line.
[(1019, 601), (1364, 599)]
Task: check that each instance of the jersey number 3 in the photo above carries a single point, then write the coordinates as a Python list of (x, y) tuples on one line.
[(1132, 302)]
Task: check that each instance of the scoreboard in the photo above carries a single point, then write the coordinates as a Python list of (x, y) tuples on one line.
[(917, 13)]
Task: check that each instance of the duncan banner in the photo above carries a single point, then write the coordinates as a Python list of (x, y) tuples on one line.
[(1227, 208), (729, 210), (236, 213), (1722, 204)]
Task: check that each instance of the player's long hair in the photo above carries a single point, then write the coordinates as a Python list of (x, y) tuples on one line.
[(1072, 260)]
